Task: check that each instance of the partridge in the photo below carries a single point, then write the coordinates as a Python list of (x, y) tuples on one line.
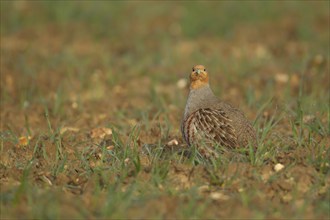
[(208, 121)]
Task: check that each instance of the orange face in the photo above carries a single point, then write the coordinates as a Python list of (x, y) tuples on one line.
[(199, 77)]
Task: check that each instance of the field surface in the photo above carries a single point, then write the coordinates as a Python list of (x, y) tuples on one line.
[(92, 95)]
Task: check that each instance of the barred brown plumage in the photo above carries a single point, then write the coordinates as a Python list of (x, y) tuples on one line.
[(209, 124), (208, 121)]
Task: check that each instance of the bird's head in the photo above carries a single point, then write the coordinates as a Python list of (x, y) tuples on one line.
[(198, 77)]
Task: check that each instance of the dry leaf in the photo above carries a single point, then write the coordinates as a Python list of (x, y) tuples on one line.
[(111, 147), (24, 141), (100, 132), (65, 129)]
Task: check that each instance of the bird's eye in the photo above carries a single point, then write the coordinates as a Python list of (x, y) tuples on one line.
[(204, 70), (193, 69)]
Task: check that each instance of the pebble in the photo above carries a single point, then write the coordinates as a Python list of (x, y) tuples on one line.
[(218, 196), (281, 78), (182, 83), (278, 167), (173, 142)]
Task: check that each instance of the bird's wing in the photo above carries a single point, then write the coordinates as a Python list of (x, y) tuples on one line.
[(211, 124)]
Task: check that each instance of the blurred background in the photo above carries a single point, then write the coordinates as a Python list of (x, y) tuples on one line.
[(131, 55)]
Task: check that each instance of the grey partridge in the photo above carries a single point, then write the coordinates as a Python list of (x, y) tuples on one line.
[(209, 121)]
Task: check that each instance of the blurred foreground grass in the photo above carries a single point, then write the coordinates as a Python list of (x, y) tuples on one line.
[(70, 67)]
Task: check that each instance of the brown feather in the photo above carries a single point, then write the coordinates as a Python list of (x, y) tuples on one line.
[(211, 125)]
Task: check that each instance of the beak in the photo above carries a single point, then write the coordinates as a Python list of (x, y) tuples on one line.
[(198, 71)]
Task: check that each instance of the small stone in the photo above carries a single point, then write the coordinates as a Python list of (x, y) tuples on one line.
[(100, 132), (278, 167), (281, 78), (182, 83), (65, 129), (218, 196), (173, 142), (74, 105), (108, 131), (110, 147), (126, 161), (261, 52), (266, 114)]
